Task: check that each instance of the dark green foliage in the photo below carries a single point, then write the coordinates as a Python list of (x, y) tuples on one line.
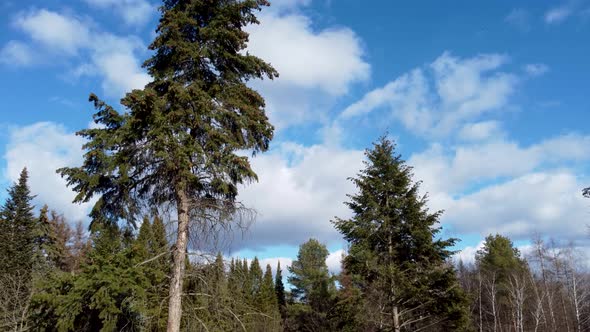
[(395, 259), (313, 289), (280, 291), (182, 130), (109, 293), (179, 139), (18, 230), (499, 256), (152, 250)]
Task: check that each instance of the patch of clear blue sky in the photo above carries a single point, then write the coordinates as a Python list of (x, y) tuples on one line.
[(397, 37)]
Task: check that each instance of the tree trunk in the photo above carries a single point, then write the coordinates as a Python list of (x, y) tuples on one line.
[(179, 258), (396, 326)]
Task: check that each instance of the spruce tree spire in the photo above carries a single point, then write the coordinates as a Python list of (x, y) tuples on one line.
[(395, 252), (18, 229)]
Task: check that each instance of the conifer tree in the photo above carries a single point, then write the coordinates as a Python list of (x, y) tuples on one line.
[(19, 234), (269, 305), (280, 291), (313, 289), (57, 248), (144, 239), (310, 277), (177, 144), (17, 230), (395, 252), (109, 293)]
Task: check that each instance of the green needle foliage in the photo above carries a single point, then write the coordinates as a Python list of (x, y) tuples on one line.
[(177, 142), (394, 256)]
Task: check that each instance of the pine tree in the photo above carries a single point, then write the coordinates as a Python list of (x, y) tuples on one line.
[(19, 234), (271, 320), (18, 230), (178, 142), (313, 289), (401, 267), (280, 291), (107, 295), (57, 248), (41, 240), (500, 269), (144, 239), (310, 278)]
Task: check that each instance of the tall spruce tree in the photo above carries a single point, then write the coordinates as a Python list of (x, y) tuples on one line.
[(18, 230), (399, 264), (177, 143), (280, 291), (313, 288)]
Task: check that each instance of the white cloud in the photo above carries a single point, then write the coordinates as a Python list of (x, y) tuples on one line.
[(315, 66), (548, 203), (16, 53), (285, 263), (330, 59), (452, 171), (536, 69), (133, 12), (481, 131), (467, 254), (558, 14), (464, 89), (300, 190), (110, 56), (42, 148), (334, 261), (58, 32)]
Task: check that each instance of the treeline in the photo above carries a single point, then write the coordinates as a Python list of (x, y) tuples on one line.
[(546, 290), (398, 274)]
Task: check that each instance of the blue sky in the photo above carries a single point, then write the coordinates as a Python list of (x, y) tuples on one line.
[(485, 100)]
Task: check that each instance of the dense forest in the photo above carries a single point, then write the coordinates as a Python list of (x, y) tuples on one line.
[(179, 147)]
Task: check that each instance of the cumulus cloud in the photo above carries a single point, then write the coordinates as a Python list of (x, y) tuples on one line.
[(467, 254), (334, 261), (329, 59), (133, 12), (315, 66), (42, 148), (56, 31), (480, 131), (453, 171), (300, 190), (435, 100), (111, 57), (536, 203)]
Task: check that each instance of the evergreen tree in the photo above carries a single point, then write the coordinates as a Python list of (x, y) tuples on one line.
[(20, 254), (280, 291), (271, 319), (107, 295), (499, 255), (41, 240), (57, 247), (313, 289), (144, 239), (178, 142), (255, 281), (18, 230), (500, 269), (401, 267)]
